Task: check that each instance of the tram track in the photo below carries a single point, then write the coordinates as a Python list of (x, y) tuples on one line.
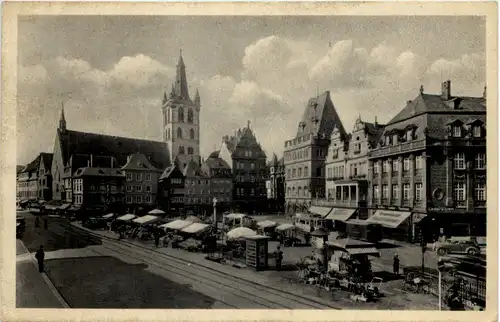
[(250, 291)]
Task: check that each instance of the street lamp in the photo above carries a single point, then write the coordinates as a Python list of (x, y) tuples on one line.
[(214, 201)]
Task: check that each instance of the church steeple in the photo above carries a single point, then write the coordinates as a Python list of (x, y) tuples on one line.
[(62, 120), (181, 87), (197, 98)]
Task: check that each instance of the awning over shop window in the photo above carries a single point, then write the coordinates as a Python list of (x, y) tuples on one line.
[(340, 214), (322, 211), (195, 228), (266, 224), (388, 218), (418, 218), (145, 219), (51, 207), (364, 251), (126, 217), (177, 224), (64, 206), (284, 227)]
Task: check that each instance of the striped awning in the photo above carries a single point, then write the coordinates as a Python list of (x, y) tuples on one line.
[(363, 251), (389, 218), (340, 214), (322, 211)]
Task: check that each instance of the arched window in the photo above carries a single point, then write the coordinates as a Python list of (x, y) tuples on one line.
[(181, 150), (191, 134), (300, 191), (293, 191), (190, 116), (306, 172), (190, 150), (181, 115), (288, 192), (179, 133), (306, 192)]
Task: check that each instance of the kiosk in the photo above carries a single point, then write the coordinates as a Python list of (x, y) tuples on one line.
[(257, 252)]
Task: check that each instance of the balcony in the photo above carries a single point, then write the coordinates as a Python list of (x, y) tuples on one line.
[(398, 149)]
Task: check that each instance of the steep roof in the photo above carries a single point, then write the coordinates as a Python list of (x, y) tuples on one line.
[(426, 103), (169, 171), (222, 169), (46, 159), (74, 142), (98, 172), (319, 117), (20, 168), (33, 165), (243, 135), (193, 169), (138, 161), (214, 154)]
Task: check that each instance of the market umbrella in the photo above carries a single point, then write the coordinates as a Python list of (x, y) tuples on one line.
[(156, 212), (240, 232), (194, 219), (320, 232)]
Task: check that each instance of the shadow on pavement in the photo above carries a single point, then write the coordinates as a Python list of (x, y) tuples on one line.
[(386, 245), (387, 276), (106, 282)]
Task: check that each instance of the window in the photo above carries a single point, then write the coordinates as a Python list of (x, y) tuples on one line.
[(252, 166), (385, 191), (148, 177), (418, 191), (480, 161), (395, 165), (181, 114), (306, 171), (376, 192), (459, 194), (148, 199), (319, 172), (190, 150), (288, 173), (385, 166), (299, 191), (190, 116), (459, 161), (480, 192), (138, 188), (419, 162), (476, 131), (395, 139), (406, 164), (191, 134), (294, 173), (148, 188), (406, 191), (138, 177), (395, 191), (129, 199), (179, 133), (376, 167), (300, 173), (457, 131), (129, 188), (181, 150), (409, 135), (138, 199)]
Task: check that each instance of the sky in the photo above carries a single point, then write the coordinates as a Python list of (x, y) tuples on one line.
[(110, 72)]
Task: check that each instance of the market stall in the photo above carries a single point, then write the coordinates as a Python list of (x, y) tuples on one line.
[(240, 232), (145, 220), (267, 227), (193, 219), (176, 224), (237, 220), (287, 234), (156, 212), (257, 252)]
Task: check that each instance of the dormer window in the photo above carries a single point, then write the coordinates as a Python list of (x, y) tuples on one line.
[(387, 140), (456, 131), (395, 139), (476, 131)]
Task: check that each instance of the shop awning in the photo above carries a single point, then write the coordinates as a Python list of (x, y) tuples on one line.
[(156, 212), (322, 211), (235, 216), (418, 218), (145, 219), (195, 228), (126, 217), (266, 224), (284, 227), (388, 218), (340, 214), (177, 224), (51, 207), (74, 208), (64, 206), (108, 216)]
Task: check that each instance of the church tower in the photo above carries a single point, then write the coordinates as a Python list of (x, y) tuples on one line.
[(181, 120), (62, 121)]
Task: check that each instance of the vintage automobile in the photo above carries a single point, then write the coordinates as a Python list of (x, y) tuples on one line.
[(467, 246), (20, 226)]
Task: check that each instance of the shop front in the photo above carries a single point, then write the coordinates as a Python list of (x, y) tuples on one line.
[(339, 216), (395, 224), (442, 222)]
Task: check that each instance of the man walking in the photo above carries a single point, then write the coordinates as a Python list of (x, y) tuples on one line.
[(157, 237), (40, 256), (279, 257), (395, 265)]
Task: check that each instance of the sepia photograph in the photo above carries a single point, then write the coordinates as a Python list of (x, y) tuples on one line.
[(249, 161)]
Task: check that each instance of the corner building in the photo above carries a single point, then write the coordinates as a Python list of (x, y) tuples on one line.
[(428, 170), (305, 154)]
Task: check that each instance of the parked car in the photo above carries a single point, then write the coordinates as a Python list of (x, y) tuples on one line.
[(20, 227), (95, 223), (459, 245)]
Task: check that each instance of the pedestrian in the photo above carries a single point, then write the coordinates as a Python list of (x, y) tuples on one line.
[(37, 222), (45, 223), (395, 265), (279, 257), (40, 256), (157, 238)]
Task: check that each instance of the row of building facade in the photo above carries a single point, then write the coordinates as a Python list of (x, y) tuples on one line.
[(424, 172)]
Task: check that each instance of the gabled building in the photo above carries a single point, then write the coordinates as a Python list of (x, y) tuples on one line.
[(170, 197), (181, 119), (141, 183), (244, 154), (45, 177), (275, 185), (74, 150), (27, 181), (221, 180), (428, 170), (197, 195), (305, 154)]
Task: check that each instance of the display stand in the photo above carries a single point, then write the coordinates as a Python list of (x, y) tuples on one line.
[(256, 252)]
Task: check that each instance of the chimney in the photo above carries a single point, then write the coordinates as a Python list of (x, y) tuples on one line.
[(446, 90), (376, 123)]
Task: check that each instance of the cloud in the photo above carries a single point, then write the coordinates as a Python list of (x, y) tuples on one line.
[(140, 70), (32, 75)]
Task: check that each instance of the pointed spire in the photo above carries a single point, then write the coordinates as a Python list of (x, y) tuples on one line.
[(197, 98), (164, 96), (275, 159), (421, 89), (181, 86), (62, 119)]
